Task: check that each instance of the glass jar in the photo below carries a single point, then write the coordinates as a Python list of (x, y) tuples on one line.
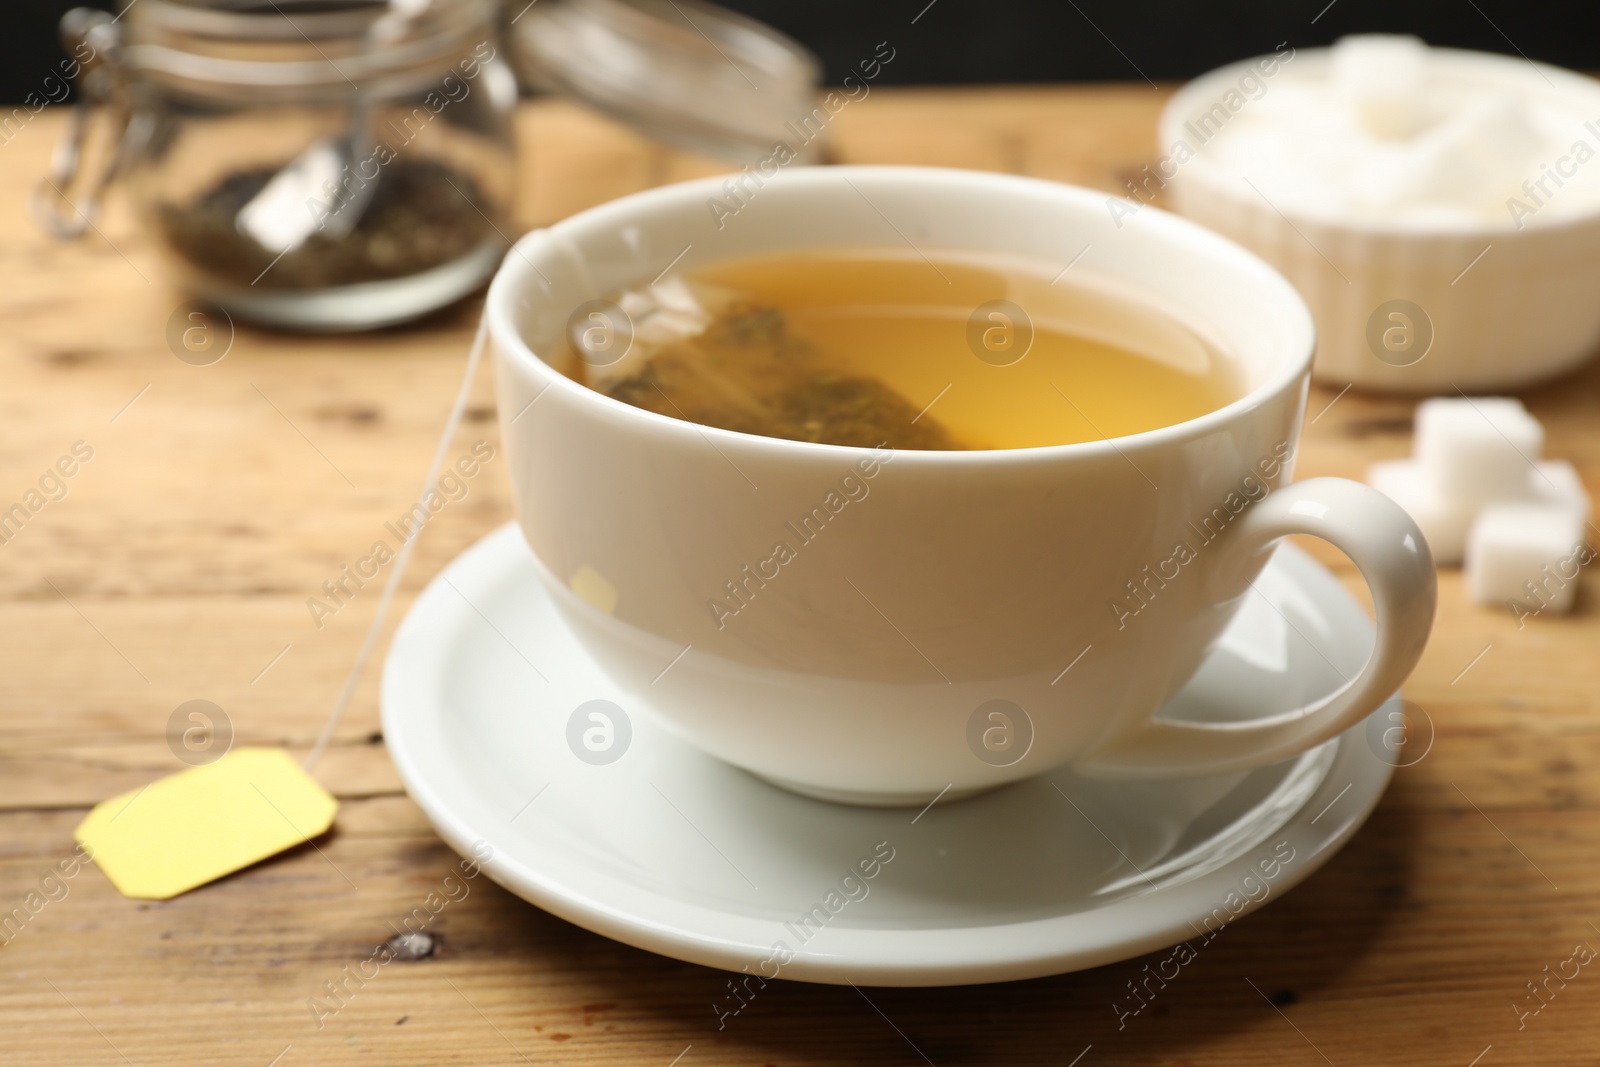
[(309, 164)]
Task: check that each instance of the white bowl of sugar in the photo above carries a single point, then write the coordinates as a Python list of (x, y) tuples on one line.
[(1438, 209)]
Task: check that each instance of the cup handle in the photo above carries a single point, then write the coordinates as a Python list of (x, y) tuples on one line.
[(1392, 556)]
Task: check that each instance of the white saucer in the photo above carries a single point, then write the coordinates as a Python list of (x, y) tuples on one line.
[(673, 851)]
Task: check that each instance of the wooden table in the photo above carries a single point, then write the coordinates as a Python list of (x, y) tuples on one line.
[(219, 498)]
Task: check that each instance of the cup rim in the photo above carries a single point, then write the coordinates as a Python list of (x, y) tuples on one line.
[(1220, 181), (517, 268)]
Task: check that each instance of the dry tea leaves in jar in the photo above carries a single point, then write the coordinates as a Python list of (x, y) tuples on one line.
[(422, 214)]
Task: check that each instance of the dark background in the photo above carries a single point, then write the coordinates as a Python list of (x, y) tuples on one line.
[(957, 41)]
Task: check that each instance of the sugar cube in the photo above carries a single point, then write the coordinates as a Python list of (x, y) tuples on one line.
[(1444, 522), (1381, 77), (1555, 481), (1475, 155), (1526, 556), (1477, 449)]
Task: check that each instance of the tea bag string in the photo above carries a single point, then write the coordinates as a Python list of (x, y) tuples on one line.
[(404, 555)]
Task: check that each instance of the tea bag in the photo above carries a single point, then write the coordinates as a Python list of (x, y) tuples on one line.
[(716, 357)]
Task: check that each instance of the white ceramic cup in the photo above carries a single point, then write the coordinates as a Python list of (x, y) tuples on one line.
[(944, 621)]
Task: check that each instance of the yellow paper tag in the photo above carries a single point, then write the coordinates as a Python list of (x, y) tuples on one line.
[(193, 827)]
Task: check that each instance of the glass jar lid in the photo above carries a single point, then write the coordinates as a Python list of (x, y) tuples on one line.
[(691, 73)]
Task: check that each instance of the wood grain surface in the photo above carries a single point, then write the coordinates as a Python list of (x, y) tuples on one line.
[(219, 498)]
